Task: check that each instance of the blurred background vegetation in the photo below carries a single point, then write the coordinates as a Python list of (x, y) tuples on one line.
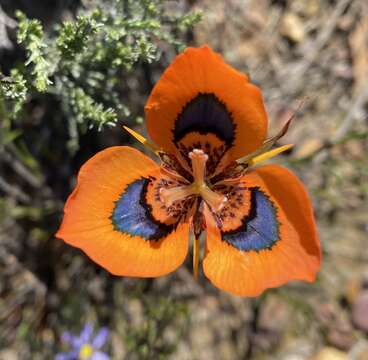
[(73, 72)]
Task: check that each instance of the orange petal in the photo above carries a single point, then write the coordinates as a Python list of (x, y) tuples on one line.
[(108, 218), (279, 238), (237, 206), (200, 93)]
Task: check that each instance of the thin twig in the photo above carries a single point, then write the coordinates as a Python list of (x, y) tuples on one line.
[(21, 170), (350, 117), (5, 21), (318, 44), (14, 191)]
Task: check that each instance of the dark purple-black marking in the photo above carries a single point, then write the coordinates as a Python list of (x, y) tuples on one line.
[(205, 114)]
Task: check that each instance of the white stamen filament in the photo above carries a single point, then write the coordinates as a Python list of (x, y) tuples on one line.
[(169, 196)]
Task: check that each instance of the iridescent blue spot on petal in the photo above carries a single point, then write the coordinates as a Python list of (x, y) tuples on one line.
[(132, 215), (259, 229)]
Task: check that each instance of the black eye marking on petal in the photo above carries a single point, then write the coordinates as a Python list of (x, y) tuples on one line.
[(260, 229), (132, 214), (205, 114)]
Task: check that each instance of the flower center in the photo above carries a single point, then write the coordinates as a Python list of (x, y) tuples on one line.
[(199, 186), (85, 352)]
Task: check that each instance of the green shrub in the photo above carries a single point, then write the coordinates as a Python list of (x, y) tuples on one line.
[(83, 62)]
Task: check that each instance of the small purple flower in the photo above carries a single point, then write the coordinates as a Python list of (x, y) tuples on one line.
[(85, 346)]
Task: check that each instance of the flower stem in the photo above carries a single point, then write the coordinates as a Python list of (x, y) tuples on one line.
[(196, 250)]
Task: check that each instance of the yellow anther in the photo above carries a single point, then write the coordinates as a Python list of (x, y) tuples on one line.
[(269, 154), (142, 140)]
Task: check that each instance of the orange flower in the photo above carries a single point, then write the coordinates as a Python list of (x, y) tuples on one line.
[(208, 123)]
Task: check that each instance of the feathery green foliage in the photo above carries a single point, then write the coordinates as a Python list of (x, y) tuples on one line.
[(83, 63), (30, 34)]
